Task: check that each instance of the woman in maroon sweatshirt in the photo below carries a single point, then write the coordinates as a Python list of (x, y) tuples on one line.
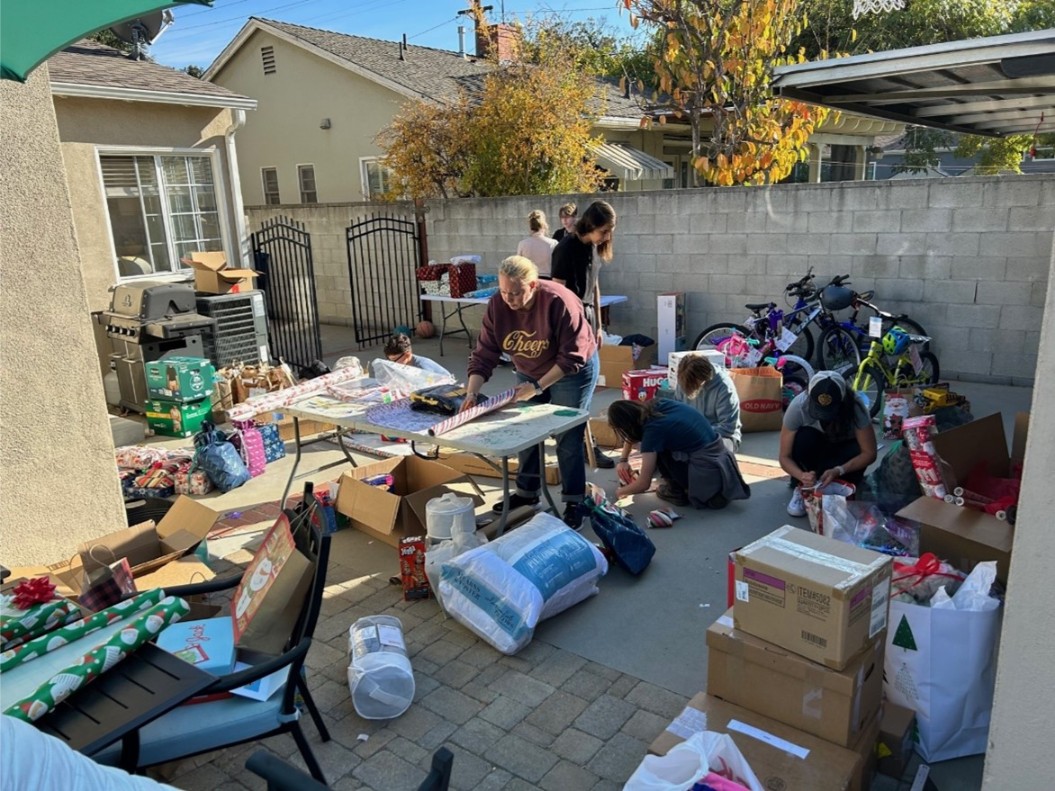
[(542, 326)]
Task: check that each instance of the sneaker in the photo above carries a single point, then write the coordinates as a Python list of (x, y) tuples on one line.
[(672, 495), (603, 462), (573, 516), (797, 506), (515, 501), (718, 501)]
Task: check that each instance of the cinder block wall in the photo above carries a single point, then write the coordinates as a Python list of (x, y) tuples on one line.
[(966, 257)]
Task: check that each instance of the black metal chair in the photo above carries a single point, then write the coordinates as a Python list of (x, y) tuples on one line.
[(202, 727), (280, 776)]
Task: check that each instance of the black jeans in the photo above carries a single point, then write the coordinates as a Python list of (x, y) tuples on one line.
[(814, 452), (676, 472)]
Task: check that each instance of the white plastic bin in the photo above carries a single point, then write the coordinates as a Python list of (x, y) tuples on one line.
[(380, 678)]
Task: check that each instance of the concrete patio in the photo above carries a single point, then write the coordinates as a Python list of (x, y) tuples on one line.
[(574, 710)]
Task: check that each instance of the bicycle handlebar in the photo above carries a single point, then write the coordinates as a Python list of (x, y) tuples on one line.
[(840, 280)]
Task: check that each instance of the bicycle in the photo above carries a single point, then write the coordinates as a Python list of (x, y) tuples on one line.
[(774, 329), (741, 352), (843, 344), (894, 363)]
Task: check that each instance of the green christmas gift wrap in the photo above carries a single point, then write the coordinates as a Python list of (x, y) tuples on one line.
[(18, 626), (63, 635), (97, 661)]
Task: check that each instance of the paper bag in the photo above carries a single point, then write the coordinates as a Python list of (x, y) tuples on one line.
[(761, 398), (942, 665), (271, 593)]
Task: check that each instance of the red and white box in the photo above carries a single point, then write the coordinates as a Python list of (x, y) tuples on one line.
[(642, 384)]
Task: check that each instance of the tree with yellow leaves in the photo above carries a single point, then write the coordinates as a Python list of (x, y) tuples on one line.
[(716, 60)]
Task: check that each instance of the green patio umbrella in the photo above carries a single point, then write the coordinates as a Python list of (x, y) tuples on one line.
[(33, 30)]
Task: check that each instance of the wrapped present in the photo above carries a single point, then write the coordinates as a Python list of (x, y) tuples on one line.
[(432, 272), (435, 288), (274, 447), (196, 482), (462, 278), (251, 447)]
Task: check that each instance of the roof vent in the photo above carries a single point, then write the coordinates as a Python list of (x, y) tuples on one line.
[(267, 56)]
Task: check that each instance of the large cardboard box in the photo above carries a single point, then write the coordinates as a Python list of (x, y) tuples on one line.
[(644, 384), (390, 516), (964, 536), (897, 727), (473, 465), (820, 598), (177, 418), (836, 705), (148, 546), (308, 427), (603, 434), (211, 275), (780, 756), (617, 359), (180, 378)]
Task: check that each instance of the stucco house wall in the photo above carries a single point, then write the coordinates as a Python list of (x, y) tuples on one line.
[(57, 477)]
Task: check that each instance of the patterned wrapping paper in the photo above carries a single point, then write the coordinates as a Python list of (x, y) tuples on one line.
[(196, 482), (97, 661), (18, 626), (274, 447), (77, 629), (274, 402), (399, 415)]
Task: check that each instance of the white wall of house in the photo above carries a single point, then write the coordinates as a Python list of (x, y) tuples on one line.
[(285, 132)]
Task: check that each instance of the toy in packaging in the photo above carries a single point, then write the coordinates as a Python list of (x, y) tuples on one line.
[(412, 568)]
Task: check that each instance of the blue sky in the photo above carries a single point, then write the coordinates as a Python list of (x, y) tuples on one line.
[(200, 33)]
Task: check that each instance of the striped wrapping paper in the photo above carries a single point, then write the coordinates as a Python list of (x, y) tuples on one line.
[(282, 398), (489, 405), (78, 629), (97, 661)]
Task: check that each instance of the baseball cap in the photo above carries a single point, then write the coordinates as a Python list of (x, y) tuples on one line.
[(826, 393)]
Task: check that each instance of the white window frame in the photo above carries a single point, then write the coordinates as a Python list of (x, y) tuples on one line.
[(278, 185), (365, 179), (222, 196), (300, 182)]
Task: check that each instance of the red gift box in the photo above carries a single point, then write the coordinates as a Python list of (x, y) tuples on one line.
[(462, 279), (641, 385), (431, 272)]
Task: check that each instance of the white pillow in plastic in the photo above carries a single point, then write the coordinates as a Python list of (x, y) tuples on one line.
[(500, 591)]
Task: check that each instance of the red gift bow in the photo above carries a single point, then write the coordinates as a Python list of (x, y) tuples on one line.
[(38, 590)]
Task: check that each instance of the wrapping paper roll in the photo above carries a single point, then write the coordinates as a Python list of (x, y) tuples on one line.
[(275, 401), (18, 626), (925, 460)]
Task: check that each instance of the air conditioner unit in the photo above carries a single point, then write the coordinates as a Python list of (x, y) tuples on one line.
[(240, 334)]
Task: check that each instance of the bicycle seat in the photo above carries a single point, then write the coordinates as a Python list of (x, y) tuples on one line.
[(867, 295), (759, 305)]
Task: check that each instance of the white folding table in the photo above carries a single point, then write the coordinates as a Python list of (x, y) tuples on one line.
[(459, 304)]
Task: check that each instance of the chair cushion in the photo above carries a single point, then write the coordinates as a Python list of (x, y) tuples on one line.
[(197, 727)]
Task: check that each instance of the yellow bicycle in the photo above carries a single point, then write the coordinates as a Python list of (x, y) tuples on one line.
[(896, 362)]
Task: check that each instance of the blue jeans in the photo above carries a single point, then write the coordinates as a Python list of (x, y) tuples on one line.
[(575, 391)]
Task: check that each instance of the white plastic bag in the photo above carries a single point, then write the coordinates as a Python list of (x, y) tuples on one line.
[(406, 378), (689, 762)]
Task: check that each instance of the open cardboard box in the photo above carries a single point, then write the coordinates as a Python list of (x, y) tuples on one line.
[(211, 275), (473, 465), (390, 516), (148, 546), (615, 360), (964, 536)]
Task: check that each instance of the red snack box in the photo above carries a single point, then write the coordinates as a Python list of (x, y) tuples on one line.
[(412, 568)]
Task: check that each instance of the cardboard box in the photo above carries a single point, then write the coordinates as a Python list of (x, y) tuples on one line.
[(390, 516), (820, 598), (674, 359), (469, 464), (147, 546), (836, 705), (603, 434), (308, 428), (617, 359), (780, 756), (642, 384), (177, 418), (211, 275), (964, 536), (180, 378), (897, 731), (670, 323)]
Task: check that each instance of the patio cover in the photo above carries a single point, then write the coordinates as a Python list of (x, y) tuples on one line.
[(629, 163), (996, 86)]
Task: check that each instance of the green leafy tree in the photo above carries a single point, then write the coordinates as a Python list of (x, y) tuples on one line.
[(107, 38), (194, 71), (716, 58)]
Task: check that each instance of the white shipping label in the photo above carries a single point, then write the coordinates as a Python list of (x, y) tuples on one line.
[(875, 327), (742, 591), (880, 603), (689, 722), (787, 337), (258, 305), (765, 736), (391, 635)]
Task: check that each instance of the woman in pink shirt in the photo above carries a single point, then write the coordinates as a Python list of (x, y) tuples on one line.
[(542, 326)]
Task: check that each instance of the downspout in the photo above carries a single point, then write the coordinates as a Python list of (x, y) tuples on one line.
[(237, 122)]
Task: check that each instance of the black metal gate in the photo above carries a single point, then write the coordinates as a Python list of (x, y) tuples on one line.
[(282, 254), (383, 253)]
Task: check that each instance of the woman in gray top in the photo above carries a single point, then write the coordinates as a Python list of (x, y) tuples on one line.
[(711, 391)]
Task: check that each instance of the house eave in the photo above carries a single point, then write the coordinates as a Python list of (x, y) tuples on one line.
[(80, 90)]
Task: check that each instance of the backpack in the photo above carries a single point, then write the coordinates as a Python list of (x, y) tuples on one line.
[(218, 458), (628, 544)]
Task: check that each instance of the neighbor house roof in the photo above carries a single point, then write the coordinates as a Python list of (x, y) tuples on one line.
[(989, 86), (422, 73), (91, 69)]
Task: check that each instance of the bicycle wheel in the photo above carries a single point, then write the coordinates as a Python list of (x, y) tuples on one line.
[(796, 374), (839, 352), (870, 382), (717, 333)]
